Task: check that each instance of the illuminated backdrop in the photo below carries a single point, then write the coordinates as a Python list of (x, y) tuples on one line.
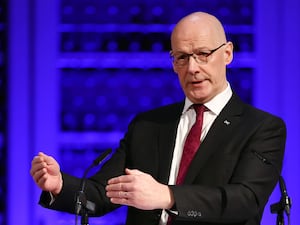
[(79, 70)]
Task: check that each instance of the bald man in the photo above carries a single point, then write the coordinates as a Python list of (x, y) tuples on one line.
[(225, 182)]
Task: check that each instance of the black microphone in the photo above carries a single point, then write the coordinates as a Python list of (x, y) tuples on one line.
[(81, 201), (285, 203), (99, 160)]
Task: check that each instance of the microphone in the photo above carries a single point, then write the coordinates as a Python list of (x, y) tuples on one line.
[(285, 203), (81, 202), (99, 160)]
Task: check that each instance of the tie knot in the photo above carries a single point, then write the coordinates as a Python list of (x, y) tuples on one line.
[(199, 108)]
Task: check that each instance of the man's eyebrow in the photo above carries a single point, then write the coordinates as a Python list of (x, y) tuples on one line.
[(182, 52), (178, 52), (195, 49), (202, 49)]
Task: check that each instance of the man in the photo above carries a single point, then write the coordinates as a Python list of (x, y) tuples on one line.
[(225, 183)]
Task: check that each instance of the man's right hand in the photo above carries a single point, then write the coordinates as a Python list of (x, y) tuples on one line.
[(45, 171)]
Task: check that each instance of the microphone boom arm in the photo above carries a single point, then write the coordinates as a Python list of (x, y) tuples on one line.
[(83, 206), (285, 202)]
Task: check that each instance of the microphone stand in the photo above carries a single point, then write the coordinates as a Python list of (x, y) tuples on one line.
[(284, 204), (276, 208), (83, 206)]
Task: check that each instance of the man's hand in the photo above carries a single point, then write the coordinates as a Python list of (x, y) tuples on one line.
[(139, 190), (45, 172)]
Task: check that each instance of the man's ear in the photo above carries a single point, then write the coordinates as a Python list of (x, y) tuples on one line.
[(228, 54)]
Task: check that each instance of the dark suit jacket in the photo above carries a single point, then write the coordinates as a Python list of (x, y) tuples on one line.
[(226, 182)]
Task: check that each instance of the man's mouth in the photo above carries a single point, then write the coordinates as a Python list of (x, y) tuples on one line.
[(198, 81)]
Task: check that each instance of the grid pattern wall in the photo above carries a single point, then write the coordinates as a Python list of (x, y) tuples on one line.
[(114, 63), (3, 104)]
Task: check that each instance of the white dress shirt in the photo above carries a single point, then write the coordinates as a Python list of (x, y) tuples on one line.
[(187, 119)]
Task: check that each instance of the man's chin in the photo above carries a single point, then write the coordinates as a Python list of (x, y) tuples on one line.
[(197, 98)]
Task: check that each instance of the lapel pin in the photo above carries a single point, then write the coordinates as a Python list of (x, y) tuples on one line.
[(226, 122)]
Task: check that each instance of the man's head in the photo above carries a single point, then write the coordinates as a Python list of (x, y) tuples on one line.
[(201, 71)]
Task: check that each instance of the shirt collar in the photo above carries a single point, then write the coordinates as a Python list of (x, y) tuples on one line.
[(216, 104)]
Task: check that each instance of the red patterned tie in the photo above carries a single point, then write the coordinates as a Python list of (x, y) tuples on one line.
[(192, 143)]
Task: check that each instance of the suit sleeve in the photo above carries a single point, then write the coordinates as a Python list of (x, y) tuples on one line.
[(243, 196), (95, 188)]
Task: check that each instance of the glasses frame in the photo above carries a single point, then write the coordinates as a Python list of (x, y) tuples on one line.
[(195, 56)]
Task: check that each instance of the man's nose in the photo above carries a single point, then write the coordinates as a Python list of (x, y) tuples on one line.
[(193, 64)]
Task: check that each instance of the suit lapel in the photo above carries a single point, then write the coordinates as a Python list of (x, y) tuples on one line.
[(167, 136), (219, 133)]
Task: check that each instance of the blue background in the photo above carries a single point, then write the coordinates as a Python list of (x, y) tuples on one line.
[(74, 72)]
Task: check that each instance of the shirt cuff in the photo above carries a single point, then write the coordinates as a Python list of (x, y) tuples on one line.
[(52, 199)]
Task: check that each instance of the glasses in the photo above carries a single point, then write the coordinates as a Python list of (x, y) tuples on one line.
[(200, 56)]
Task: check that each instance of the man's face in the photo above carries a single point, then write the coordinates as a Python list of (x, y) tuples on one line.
[(200, 80)]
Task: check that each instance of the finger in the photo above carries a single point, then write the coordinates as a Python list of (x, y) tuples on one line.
[(38, 175), (113, 187), (42, 181), (41, 154), (114, 180), (133, 172), (122, 199), (37, 166), (49, 160), (118, 187), (37, 159), (118, 194), (113, 194), (120, 179)]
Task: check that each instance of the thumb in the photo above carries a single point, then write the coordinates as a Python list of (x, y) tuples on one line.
[(46, 158)]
